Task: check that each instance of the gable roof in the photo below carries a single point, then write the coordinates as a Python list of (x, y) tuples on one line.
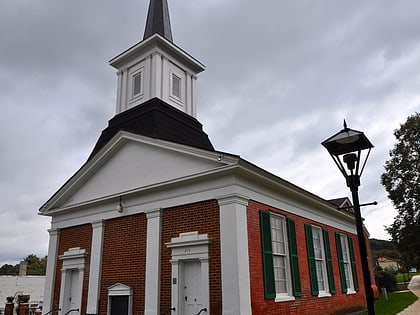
[(158, 21), (131, 162), (156, 119), (343, 204), (340, 202)]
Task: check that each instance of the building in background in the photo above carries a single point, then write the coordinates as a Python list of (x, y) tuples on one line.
[(22, 285), (159, 222), (388, 263)]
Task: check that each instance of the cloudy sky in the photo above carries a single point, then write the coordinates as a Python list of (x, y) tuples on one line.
[(281, 76)]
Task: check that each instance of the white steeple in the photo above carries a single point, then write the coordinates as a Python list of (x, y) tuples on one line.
[(156, 67)]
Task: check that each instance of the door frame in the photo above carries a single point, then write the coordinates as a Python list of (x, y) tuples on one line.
[(120, 289), (187, 247), (73, 261)]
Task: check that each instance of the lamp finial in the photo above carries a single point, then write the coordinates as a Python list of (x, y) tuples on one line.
[(345, 124)]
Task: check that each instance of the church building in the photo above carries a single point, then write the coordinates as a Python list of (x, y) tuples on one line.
[(158, 222)]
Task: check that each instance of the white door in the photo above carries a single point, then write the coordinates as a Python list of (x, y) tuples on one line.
[(71, 293), (191, 301)]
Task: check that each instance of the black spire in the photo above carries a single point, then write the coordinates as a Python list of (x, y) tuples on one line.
[(158, 20)]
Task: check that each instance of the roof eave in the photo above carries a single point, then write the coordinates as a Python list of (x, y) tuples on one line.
[(158, 41)]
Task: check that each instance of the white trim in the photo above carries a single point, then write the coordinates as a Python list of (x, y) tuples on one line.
[(283, 298), (178, 73), (322, 259), (156, 75), (51, 269), (232, 176), (185, 191), (189, 246), (156, 42), (152, 282), (236, 292), (95, 267), (120, 289), (348, 263), (73, 260), (288, 295), (119, 92)]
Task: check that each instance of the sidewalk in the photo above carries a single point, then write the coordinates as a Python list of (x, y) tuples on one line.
[(413, 309)]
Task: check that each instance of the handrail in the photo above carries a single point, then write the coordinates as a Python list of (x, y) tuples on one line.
[(72, 310), (54, 310), (202, 310)]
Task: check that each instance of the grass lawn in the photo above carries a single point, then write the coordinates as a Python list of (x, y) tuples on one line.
[(406, 277), (397, 301)]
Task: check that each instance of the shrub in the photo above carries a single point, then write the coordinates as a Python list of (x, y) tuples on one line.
[(386, 279)]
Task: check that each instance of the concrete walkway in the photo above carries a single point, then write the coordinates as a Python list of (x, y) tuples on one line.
[(413, 309)]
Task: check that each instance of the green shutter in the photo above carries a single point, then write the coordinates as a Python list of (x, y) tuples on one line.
[(311, 259), (341, 263), (294, 260), (267, 253), (328, 259), (353, 264)]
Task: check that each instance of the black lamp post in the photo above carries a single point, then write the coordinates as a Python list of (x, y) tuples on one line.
[(345, 147)]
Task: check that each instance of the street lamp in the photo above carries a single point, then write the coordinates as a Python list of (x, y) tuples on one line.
[(346, 147)]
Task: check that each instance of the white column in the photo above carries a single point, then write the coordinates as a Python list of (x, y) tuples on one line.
[(175, 286), (188, 98), (119, 91), (236, 294), (95, 267), (165, 80), (205, 285), (156, 76), (51, 267), (193, 96), (152, 287), (124, 90)]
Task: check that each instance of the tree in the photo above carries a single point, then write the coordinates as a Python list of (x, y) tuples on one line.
[(401, 180), (36, 267), (9, 270)]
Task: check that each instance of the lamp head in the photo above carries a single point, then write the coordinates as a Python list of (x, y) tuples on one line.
[(347, 146), (346, 141)]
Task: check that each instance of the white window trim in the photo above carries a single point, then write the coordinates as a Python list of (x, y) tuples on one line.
[(120, 289), (174, 78), (350, 290), (136, 75), (287, 296), (133, 72), (179, 73), (326, 292)]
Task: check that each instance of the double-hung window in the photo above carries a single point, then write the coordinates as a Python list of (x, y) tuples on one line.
[(347, 263), (281, 268), (320, 261)]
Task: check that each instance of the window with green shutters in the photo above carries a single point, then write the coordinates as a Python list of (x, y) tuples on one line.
[(280, 257), (320, 262), (347, 263)]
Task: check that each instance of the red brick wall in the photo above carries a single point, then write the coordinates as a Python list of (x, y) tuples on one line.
[(204, 218), (124, 258), (306, 304), (77, 236)]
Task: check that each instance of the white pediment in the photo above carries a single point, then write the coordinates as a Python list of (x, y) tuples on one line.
[(130, 162), (120, 289)]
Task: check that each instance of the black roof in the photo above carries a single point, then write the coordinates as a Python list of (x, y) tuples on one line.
[(158, 20), (156, 119)]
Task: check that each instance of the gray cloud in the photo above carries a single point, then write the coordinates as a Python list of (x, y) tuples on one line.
[(281, 76)]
